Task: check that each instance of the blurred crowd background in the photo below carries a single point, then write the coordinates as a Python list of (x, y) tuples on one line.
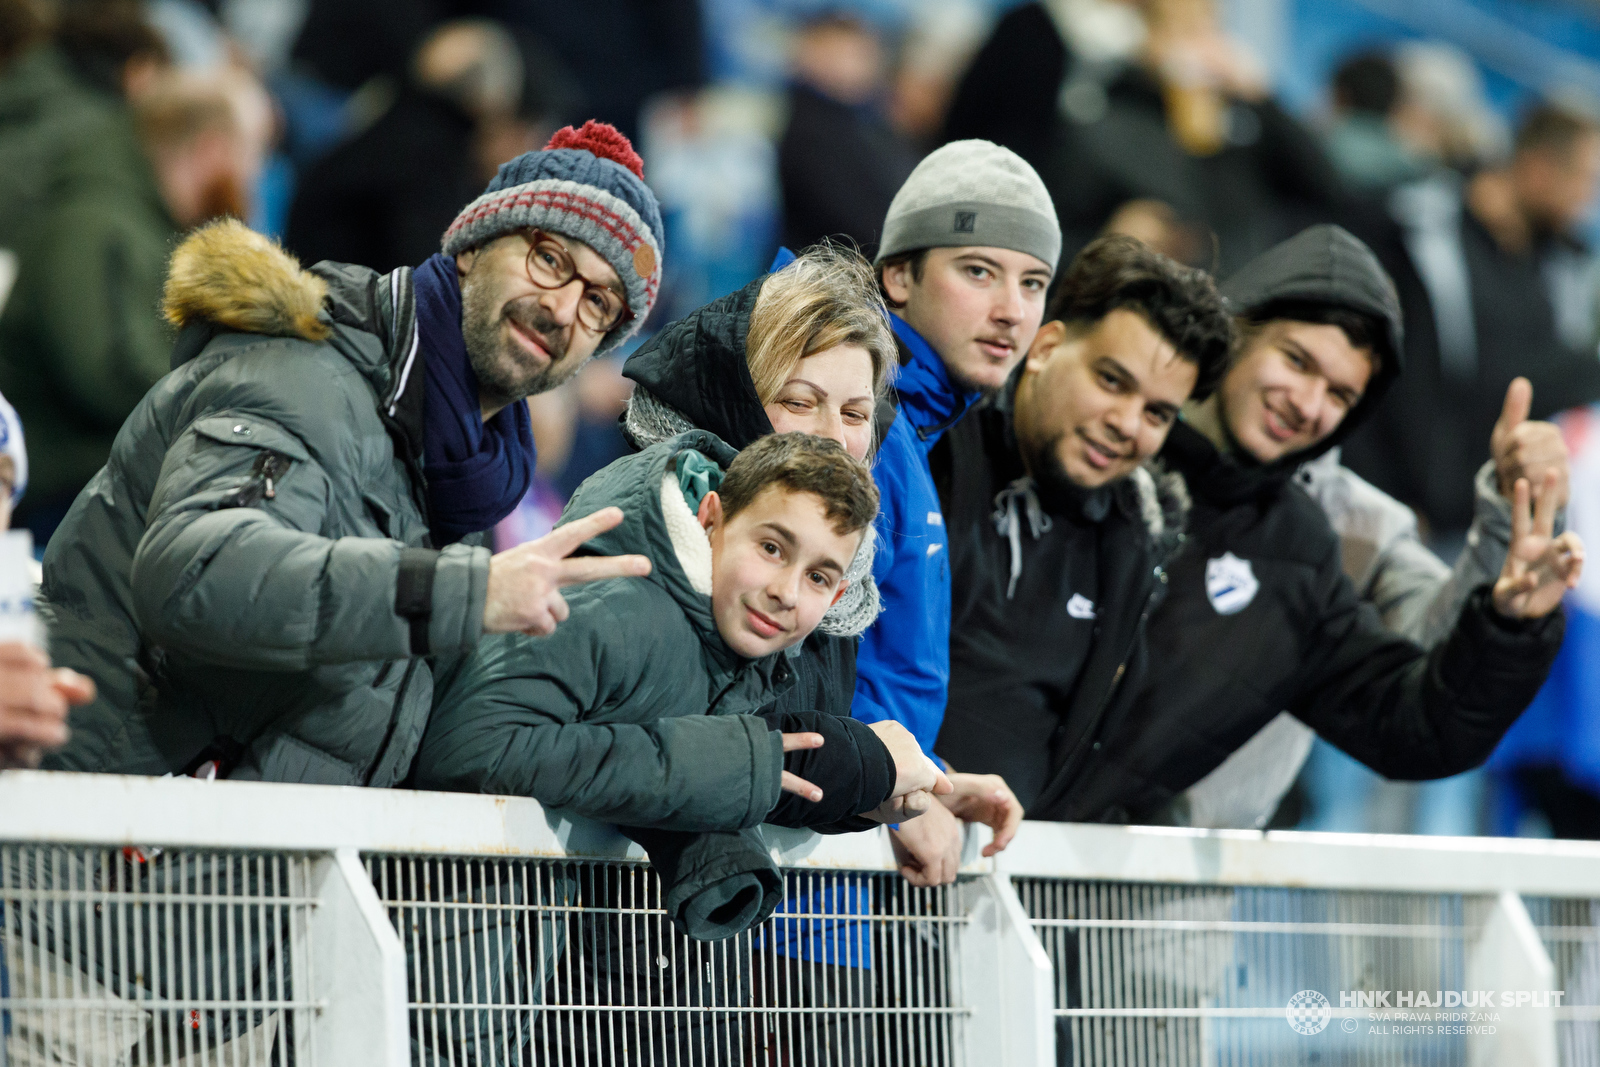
[(1459, 138)]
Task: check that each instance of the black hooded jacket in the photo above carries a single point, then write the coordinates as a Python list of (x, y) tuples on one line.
[(1260, 617), (697, 367), (1035, 663)]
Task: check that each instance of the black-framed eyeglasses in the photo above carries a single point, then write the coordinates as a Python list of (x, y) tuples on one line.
[(550, 266)]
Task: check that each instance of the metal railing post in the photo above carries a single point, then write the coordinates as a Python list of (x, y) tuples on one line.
[(358, 970), (1007, 979), (1509, 955)]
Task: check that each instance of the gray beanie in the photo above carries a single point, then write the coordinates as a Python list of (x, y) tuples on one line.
[(972, 193)]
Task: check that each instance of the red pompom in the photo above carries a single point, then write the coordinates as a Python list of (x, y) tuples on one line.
[(604, 140)]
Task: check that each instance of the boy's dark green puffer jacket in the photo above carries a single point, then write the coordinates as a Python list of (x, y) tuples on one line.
[(635, 711)]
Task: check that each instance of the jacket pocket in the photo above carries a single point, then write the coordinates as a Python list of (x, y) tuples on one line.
[(278, 452), (261, 483)]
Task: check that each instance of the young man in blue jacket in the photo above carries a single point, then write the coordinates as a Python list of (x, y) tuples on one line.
[(969, 246), (968, 249)]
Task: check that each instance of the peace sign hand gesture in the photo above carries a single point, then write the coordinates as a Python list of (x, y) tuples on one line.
[(525, 582), (1539, 567)]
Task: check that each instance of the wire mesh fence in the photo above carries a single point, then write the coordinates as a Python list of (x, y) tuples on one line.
[(376, 928), (1570, 932), (124, 956), (1185, 976), (515, 961)]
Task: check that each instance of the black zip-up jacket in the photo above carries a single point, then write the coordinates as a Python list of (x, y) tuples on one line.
[(1260, 617), (1140, 531), (1304, 642)]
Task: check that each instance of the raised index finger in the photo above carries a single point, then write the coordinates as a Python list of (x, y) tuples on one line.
[(793, 742), (564, 539), (1519, 398), (593, 568)]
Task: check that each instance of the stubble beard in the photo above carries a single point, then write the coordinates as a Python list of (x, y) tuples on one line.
[(1048, 472), (498, 360)]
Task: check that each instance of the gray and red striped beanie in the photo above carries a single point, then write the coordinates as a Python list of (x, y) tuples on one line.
[(588, 185)]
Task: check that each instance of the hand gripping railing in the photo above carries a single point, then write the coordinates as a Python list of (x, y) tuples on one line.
[(152, 921)]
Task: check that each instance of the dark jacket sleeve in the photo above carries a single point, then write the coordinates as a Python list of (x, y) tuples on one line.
[(1293, 159), (98, 270), (233, 568), (852, 768), (1009, 91), (522, 716), (714, 885), (1413, 715)]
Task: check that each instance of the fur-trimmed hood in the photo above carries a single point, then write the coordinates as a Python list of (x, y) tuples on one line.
[(228, 274), (1163, 502), (225, 277)]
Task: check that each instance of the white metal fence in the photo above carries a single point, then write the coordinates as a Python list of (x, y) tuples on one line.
[(180, 922)]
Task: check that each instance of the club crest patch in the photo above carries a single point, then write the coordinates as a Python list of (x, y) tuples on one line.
[(1230, 583)]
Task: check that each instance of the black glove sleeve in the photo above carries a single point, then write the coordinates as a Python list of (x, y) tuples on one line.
[(853, 769)]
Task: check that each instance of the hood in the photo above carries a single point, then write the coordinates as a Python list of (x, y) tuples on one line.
[(697, 367), (653, 526), (1327, 265), (1324, 264), (228, 274), (225, 276)]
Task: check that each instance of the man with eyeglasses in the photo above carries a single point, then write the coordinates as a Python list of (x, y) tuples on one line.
[(286, 537)]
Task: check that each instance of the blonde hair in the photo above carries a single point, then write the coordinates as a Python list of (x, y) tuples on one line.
[(827, 297)]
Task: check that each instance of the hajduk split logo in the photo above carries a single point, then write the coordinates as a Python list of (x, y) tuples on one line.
[(1308, 1012)]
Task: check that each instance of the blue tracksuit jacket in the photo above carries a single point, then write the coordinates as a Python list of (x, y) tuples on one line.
[(903, 666)]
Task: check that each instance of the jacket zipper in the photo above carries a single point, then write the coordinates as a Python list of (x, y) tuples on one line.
[(923, 433), (1116, 680), (269, 469)]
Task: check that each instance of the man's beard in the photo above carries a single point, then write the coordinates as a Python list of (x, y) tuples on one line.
[(497, 360), (1048, 473)]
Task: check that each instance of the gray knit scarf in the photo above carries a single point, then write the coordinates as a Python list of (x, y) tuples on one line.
[(649, 422)]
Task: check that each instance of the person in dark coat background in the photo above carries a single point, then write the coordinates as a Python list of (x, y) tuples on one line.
[(382, 198), (1099, 110), (620, 52), (1494, 285), (839, 162)]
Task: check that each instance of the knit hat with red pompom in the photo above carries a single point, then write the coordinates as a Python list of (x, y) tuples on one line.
[(588, 185)]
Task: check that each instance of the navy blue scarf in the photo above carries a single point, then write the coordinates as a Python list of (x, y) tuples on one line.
[(477, 471)]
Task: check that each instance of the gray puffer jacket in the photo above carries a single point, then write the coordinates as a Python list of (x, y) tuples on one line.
[(247, 579)]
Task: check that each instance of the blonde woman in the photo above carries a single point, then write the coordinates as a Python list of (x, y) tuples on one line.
[(808, 349)]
